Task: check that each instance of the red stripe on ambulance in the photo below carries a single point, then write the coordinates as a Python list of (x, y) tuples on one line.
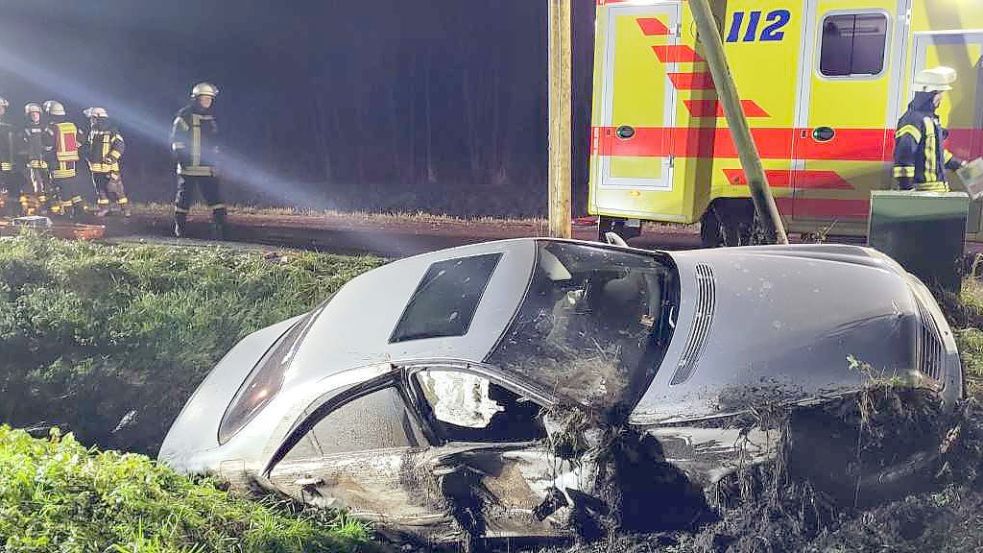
[(713, 108), (676, 53), (652, 26)]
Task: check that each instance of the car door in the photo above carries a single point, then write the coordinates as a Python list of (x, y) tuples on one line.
[(357, 450), (849, 76), (497, 469)]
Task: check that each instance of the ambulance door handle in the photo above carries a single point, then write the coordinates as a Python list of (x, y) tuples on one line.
[(823, 134)]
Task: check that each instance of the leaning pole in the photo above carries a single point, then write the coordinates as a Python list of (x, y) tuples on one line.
[(764, 202)]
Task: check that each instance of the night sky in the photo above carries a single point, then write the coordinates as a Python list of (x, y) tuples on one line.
[(436, 105)]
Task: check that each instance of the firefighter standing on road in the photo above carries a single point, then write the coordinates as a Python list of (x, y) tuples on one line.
[(37, 167), (104, 147), (195, 147), (9, 180), (920, 157), (63, 153)]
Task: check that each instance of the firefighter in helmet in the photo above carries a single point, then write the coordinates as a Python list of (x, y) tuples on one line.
[(920, 156), (62, 139), (194, 144), (34, 145), (9, 179), (104, 147)]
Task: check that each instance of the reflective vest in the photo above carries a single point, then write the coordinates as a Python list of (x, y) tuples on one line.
[(64, 138), (193, 141), (7, 149), (105, 150)]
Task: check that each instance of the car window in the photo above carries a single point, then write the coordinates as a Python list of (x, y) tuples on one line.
[(853, 44), (470, 408), (446, 299), (379, 420), (266, 378)]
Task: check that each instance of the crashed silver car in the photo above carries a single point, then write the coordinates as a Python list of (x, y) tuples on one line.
[(432, 395)]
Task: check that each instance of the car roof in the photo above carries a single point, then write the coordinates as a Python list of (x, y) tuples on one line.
[(355, 327)]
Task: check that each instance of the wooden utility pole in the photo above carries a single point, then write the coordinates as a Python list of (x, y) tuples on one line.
[(764, 202), (560, 138)]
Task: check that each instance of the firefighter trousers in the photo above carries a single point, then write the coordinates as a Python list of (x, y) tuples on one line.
[(109, 191), (10, 192), (208, 188)]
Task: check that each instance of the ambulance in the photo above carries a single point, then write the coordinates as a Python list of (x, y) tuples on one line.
[(822, 83)]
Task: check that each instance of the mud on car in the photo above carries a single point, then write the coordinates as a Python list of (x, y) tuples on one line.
[(447, 395)]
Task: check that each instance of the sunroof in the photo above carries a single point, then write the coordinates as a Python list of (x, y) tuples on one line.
[(446, 299)]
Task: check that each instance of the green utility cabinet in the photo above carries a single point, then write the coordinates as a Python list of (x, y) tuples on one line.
[(923, 231)]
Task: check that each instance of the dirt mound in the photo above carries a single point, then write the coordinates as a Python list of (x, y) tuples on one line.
[(887, 470)]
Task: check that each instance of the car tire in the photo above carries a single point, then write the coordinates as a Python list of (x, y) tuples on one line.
[(617, 226), (728, 223)]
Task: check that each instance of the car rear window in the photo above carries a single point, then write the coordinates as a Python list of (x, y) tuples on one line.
[(446, 299)]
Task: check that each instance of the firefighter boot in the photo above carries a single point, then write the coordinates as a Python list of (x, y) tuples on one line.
[(220, 227), (180, 225)]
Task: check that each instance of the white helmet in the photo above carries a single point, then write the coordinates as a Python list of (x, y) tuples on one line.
[(936, 79), (32, 108), (98, 113), (204, 89), (52, 107), (4, 103)]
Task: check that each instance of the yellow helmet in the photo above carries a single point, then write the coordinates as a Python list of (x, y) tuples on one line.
[(936, 79), (32, 108), (204, 89), (52, 107)]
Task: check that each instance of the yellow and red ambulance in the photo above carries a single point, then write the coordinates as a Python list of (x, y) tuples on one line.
[(822, 82)]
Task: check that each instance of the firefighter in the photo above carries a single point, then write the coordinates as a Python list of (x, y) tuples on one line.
[(37, 167), (104, 147), (9, 179), (194, 146), (920, 157), (62, 139)]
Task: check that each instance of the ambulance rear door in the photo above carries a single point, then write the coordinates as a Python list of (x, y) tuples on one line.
[(848, 91), (638, 101), (962, 109)]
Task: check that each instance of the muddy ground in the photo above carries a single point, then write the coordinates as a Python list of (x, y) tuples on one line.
[(888, 470)]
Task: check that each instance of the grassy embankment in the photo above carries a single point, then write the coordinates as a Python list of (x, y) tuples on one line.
[(108, 343)]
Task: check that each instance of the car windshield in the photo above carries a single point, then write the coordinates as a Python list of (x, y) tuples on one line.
[(594, 323)]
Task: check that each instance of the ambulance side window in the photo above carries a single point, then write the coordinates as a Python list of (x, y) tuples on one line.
[(853, 45)]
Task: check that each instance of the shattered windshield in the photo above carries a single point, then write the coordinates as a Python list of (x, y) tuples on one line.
[(593, 325)]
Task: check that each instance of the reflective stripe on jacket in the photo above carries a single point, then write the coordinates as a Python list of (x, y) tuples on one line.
[(193, 142)]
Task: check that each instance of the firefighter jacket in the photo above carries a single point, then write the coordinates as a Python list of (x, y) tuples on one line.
[(62, 139), (35, 146), (104, 147), (8, 150), (920, 157), (194, 142)]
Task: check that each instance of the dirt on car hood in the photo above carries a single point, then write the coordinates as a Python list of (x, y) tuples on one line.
[(781, 325)]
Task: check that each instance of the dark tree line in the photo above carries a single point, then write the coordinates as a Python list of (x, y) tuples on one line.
[(437, 104)]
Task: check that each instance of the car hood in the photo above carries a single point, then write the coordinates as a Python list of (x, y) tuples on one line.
[(766, 324)]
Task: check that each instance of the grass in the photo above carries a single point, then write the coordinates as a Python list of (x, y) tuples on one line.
[(970, 336), (56, 495), (110, 341), (157, 209)]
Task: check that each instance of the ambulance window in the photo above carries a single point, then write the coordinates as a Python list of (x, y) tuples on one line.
[(853, 45)]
